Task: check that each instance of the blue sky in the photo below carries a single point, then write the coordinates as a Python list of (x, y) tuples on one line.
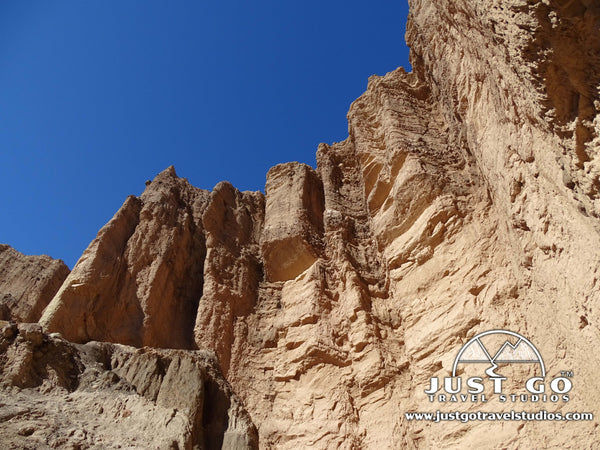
[(99, 96)]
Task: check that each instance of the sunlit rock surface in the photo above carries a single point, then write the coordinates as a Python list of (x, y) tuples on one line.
[(465, 199)]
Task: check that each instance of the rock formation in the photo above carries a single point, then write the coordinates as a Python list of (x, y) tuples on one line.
[(27, 284), (100, 395), (146, 265), (464, 199)]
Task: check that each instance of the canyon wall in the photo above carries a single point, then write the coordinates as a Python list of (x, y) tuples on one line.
[(464, 199)]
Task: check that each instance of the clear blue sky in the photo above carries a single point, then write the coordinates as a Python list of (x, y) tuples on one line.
[(99, 96)]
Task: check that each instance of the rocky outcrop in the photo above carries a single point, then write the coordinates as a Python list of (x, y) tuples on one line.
[(232, 270), (63, 395), (27, 284), (463, 200), (140, 280), (293, 229)]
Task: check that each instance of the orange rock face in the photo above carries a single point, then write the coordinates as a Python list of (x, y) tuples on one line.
[(464, 199)]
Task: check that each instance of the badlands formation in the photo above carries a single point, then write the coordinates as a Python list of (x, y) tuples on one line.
[(466, 198)]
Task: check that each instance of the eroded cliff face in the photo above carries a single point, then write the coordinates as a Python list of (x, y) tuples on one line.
[(465, 199), (27, 284), (140, 280)]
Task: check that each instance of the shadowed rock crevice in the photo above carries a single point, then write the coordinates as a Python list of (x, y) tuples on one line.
[(214, 415)]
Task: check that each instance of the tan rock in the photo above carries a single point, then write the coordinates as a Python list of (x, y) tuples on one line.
[(152, 250), (293, 225), (27, 284), (232, 269), (62, 395), (31, 332), (464, 200)]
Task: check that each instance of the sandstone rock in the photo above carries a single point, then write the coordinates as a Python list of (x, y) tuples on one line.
[(232, 269), (463, 200), (9, 329), (27, 283), (62, 395), (152, 250), (31, 332), (293, 221)]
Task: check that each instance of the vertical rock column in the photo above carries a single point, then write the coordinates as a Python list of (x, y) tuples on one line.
[(291, 240), (232, 270)]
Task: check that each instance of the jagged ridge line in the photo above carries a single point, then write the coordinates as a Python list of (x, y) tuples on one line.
[(514, 347), (498, 353)]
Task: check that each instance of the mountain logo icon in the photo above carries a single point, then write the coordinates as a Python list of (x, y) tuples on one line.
[(496, 347)]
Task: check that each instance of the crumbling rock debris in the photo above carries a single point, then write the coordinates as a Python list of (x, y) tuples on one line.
[(99, 395)]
